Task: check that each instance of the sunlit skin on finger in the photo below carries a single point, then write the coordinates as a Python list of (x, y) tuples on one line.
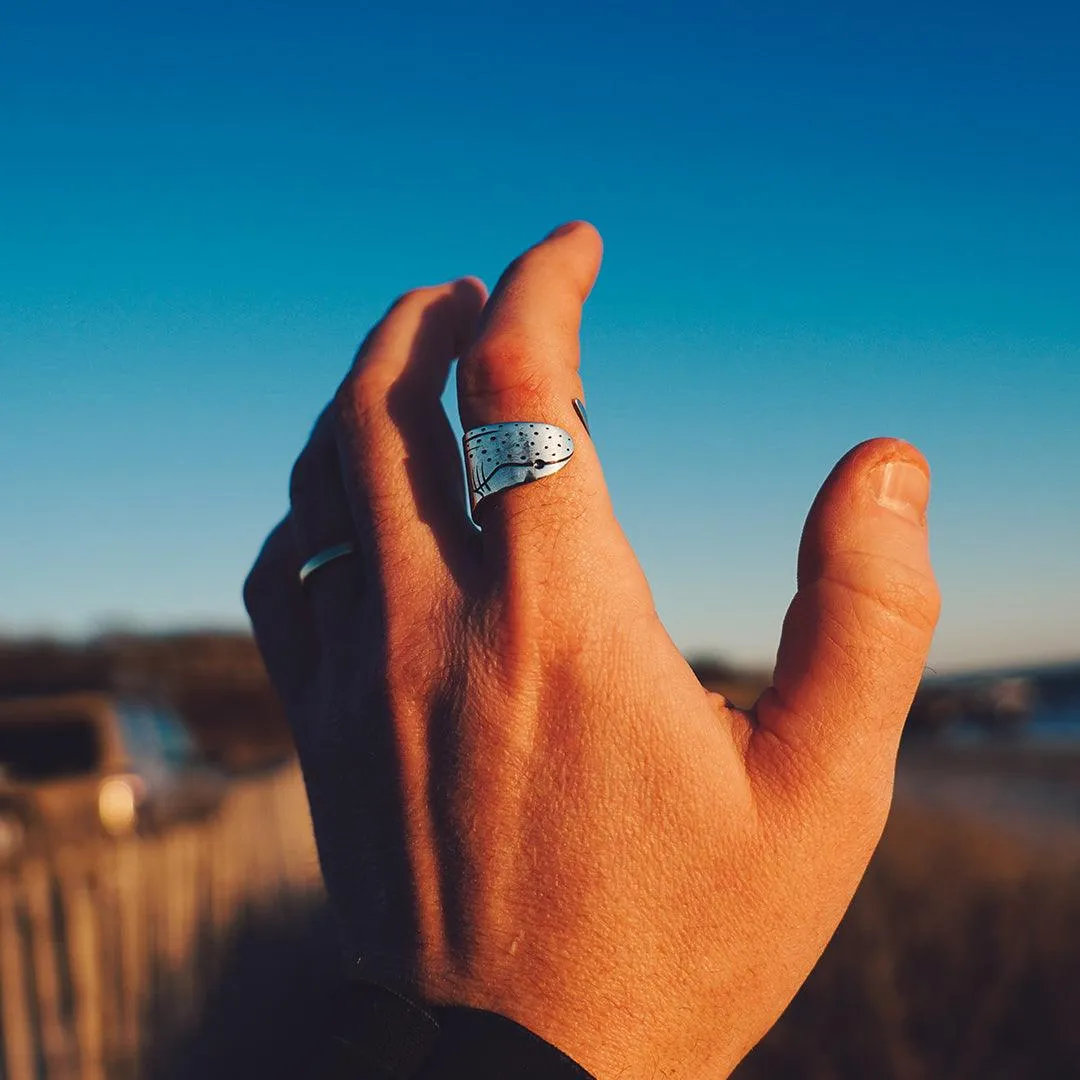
[(527, 354), (524, 801), (524, 366), (867, 602), (400, 456)]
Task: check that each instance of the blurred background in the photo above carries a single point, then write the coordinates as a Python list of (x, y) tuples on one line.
[(822, 223)]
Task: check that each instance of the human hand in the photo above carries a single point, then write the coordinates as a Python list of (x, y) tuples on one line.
[(524, 801)]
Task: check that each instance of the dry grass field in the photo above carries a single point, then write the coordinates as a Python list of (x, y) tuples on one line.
[(960, 956)]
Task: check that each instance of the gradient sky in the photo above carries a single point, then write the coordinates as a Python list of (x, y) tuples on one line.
[(822, 222)]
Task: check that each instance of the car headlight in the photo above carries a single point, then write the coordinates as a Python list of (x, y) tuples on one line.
[(118, 804), (12, 835)]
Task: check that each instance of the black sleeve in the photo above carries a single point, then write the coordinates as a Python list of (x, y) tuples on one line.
[(384, 1036)]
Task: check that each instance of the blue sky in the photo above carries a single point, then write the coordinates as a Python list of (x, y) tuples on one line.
[(822, 222)]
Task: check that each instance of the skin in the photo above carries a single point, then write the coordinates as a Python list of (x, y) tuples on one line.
[(523, 799)]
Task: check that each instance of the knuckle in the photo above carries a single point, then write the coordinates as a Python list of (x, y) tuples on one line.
[(905, 594), (362, 396), (509, 363)]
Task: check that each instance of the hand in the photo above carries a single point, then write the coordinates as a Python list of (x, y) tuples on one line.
[(524, 801)]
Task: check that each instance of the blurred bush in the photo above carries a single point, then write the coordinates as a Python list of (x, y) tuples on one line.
[(215, 680)]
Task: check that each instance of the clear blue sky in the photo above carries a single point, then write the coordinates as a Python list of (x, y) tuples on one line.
[(823, 222)]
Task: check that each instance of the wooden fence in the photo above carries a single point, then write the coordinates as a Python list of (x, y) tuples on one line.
[(107, 948)]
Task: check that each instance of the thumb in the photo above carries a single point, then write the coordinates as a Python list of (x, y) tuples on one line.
[(857, 634)]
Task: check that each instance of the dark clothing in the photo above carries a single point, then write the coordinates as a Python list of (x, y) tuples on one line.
[(384, 1036)]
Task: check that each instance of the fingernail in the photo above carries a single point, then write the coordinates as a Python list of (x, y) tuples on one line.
[(903, 488)]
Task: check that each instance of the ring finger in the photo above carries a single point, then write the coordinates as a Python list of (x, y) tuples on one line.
[(323, 525)]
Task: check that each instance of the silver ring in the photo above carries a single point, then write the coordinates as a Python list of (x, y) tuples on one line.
[(501, 456), (325, 556)]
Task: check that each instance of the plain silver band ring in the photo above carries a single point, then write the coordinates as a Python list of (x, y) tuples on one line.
[(327, 555)]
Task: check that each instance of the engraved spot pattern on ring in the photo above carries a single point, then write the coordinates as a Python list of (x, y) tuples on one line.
[(500, 456)]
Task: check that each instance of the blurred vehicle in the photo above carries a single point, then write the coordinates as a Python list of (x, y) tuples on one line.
[(79, 766)]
